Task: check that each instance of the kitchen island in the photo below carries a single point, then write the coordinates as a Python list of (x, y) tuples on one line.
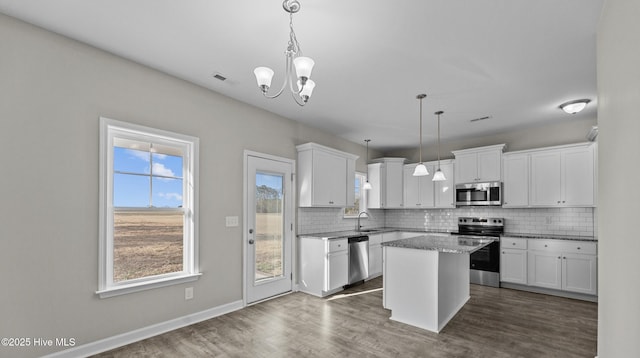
[(426, 278)]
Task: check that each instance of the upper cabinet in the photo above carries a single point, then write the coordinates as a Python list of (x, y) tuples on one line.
[(515, 175), (563, 176), (478, 164), (422, 192), (326, 177), (386, 179)]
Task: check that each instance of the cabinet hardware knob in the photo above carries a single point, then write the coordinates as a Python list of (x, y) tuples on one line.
[(513, 243), (563, 201), (558, 201), (503, 252), (564, 257), (559, 257), (545, 245)]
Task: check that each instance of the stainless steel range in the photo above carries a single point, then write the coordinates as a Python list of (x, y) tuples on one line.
[(485, 263)]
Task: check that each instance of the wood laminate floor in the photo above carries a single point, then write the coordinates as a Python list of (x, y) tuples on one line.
[(494, 323)]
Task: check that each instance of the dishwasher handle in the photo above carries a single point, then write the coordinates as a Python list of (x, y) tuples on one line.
[(358, 238)]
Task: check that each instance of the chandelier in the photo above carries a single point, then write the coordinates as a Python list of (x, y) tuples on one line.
[(294, 60)]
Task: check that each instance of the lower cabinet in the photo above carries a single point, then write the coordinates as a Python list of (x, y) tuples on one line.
[(563, 265), (324, 265), (375, 255), (337, 270), (513, 260)]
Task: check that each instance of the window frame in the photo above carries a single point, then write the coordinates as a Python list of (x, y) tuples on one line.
[(363, 199), (110, 128)]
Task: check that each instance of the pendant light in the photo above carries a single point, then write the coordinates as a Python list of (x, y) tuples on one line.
[(367, 185), (438, 175), (421, 169)]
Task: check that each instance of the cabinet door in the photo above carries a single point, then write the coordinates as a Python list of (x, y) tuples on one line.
[(516, 180), (418, 191), (394, 178), (411, 188), (375, 260), (579, 273), (545, 179), (544, 269), (490, 165), (466, 168), (444, 191), (337, 270), (513, 266), (375, 196), (578, 176), (329, 180)]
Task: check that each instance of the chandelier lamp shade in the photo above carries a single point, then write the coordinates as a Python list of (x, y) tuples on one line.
[(294, 61), (367, 185), (438, 175), (573, 107), (421, 169)]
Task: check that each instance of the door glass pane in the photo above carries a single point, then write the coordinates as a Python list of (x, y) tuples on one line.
[(269, 226)]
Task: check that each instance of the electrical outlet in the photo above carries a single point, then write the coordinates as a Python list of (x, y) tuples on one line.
[(188, 293), (231, 221)]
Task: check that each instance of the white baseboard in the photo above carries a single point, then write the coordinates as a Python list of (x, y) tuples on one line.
[(120, 340)]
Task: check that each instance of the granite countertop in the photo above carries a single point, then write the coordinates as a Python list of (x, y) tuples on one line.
[(550, 237), (441, 243), (368, 231)]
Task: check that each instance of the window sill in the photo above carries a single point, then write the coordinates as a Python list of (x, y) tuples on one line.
[(147, 285)]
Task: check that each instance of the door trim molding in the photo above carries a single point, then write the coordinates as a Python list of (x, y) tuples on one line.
[(245, 214)]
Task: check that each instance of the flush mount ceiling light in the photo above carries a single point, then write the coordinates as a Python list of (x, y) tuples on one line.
[(367, 185), (294, 59), (438, 175), (421, 169), (573, 107)]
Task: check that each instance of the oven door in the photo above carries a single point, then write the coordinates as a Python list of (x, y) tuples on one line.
[(487, 258)]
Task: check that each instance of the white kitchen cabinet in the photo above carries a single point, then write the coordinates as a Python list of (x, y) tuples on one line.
[(326, 176), (418, 191), (324, 265), (513, 260), (481, 164), (515, 170), (563, 176), (386, 179), (423, 193), (563, 265), (337, 270), (375, 255), (444, 191)]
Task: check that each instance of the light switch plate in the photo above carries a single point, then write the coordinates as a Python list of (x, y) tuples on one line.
[(232, 221), (188, 293)]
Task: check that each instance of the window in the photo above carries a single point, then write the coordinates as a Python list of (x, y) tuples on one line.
[(360, 204), (148, 210)]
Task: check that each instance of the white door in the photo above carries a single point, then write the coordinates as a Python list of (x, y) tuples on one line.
[(268, 226)]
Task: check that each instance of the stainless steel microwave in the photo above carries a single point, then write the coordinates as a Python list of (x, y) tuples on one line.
[(484, 194)]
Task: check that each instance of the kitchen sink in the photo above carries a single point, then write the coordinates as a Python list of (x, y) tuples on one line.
[(368, 230)]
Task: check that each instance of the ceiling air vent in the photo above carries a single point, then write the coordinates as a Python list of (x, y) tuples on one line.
[(479, 119), (218, 76)]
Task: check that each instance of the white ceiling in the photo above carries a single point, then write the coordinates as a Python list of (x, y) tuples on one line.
[(512, 60)]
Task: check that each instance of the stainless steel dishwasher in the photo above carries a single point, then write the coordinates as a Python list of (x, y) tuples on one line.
[(358, 259)]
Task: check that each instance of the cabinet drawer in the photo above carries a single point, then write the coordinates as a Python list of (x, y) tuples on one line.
[(513, 243), (566, 246), (338, 245)]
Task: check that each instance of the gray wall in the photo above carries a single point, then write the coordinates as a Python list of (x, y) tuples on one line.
[(619, 170), (52, 92)]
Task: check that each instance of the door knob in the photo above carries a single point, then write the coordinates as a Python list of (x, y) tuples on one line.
[(250, 231), (251, 241)]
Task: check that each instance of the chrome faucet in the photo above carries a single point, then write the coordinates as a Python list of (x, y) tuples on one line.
[(359, 227)]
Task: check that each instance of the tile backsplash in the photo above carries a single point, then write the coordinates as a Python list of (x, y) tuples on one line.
[(544, 221)]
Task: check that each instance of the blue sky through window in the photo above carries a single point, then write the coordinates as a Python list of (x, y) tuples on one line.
[(137, 171), (270, 180)]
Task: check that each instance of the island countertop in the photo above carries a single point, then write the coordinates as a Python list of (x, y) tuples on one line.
[(441, 243)]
